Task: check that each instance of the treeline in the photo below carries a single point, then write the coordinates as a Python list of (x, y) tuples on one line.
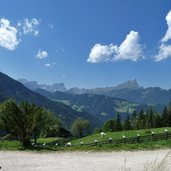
[(140, 120), (25, 121)]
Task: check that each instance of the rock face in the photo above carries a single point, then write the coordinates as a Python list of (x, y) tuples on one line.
[(33, 85), (131, 84)]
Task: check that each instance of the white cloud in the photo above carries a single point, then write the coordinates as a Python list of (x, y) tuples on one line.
[(101, 53), (50, 64), (164, 52), (168, 32), (30, 27), (8, 35), (165, 49), (130, 49), (42, 54)]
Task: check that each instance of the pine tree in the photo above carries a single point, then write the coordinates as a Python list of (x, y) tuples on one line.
[(158, 121), (141, 120), (164, 117), (134, 119), (118, 125), (151, 118), (169, 115), (127, 123), (109, 126)]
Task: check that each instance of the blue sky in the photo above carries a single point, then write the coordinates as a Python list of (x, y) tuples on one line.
[(92, 43)]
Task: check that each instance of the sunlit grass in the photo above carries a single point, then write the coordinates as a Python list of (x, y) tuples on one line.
[(118, 135)]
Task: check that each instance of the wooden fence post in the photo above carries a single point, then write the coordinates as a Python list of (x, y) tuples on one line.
[(124, 139), (138, 138), (166, 134), (110, 140), (152, 134)]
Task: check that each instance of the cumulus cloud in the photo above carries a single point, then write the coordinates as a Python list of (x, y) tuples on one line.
[(167, 35), (8, 35), (164, 52), (130, 49), (165, 48), (42, 54), (102, 53), (30, 26)]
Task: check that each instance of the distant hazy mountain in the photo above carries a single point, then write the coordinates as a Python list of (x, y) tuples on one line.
[(131, 91), (34, 85), (101, 106), (12, 89), (131, 84)]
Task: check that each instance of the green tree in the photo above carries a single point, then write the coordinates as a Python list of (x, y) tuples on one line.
[(158, 121), (23, 120), (169, 115), (80, 127), (134, 119), (118, 124), (151, 118), (109, 126), (164, 117), (140, 124), (127, 123)]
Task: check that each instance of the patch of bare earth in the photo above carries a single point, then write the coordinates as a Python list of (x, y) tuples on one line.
[(86, 161)]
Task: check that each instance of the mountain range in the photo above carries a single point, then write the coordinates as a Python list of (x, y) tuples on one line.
[(96, 108), (96, 105), (34, 85), (129, 90), (12, 89)]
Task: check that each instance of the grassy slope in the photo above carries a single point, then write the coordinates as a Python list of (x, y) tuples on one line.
[(116, 135), (14, 145)]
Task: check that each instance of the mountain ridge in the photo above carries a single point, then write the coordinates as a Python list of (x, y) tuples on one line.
[(12, 89), (129, 90)]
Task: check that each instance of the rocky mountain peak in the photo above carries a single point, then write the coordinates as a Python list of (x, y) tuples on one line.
[(130, 84)]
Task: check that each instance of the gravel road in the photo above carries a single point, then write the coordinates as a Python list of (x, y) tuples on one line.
[(84, 161)]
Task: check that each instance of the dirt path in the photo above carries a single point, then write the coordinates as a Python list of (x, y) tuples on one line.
[(84, 161)]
